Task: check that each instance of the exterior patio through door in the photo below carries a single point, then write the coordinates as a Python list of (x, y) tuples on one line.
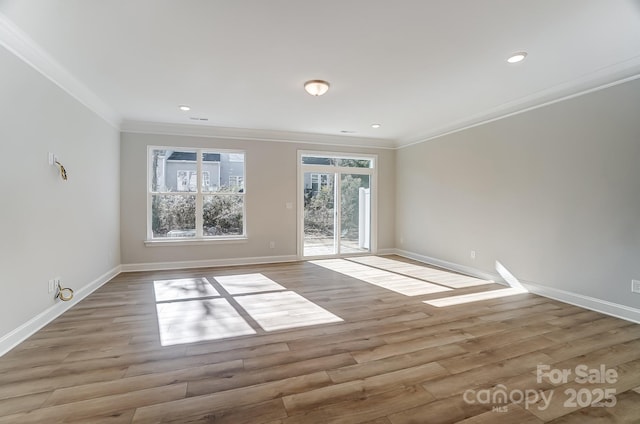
[(335, 205)]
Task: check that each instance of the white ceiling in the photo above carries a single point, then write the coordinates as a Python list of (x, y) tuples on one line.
[(418, 67)]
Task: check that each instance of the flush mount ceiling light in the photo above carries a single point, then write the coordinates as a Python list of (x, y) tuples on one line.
[(316, 87), (375, 125), (184, 108), (517, 57)]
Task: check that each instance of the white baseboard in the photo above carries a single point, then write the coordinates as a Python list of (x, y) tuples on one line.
[(208, 263), (17, 336), (603, 306), (451, 266)]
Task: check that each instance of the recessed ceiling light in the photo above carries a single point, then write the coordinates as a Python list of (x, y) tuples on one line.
[(316, 87), (184, 108), (517, 57), (376, 126)]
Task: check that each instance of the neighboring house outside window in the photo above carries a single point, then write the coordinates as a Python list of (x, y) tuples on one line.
[(318, 181), (198, 203), (187, 180), (236, 181)]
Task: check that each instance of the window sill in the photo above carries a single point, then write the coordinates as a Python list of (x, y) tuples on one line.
[(194, 242)]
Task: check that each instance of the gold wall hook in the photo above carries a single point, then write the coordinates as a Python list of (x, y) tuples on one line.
[(61, 293), (63, 172)]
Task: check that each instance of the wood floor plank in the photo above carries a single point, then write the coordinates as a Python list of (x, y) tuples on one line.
[(26, 403), (249, 414), (99, 407), (443, 411), (387, 350), (456, 384), (189, 361), (258, 376), (365, 408), (368, 386), (156, 379), (475, 359), (24, 381), (394, 363), (204, 404), (391, 360), (514, 414), (120, 417), (626, 411)]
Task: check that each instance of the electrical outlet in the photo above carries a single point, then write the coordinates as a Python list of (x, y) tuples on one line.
[(473, 254), (272, 245), (635, 286), (52, 285)]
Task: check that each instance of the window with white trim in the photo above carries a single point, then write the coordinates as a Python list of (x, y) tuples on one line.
[(195, 194)]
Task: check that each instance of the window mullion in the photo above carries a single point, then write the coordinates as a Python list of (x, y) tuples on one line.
[(199, 195), (337, 209)]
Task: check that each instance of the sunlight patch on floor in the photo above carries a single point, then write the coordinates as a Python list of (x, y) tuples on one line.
[(184, 288), (474, 297), (388, 280), (199, 320), (444, 278), (187, 313), (247, 283), (284, 310)]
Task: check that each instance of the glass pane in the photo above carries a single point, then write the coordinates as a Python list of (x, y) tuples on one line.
[(350, 162), (313, 160), (173, 215), (211, 168), (230, 178), (355, 213), (223, 215), (173, 170), (319, 214), (355, 163)]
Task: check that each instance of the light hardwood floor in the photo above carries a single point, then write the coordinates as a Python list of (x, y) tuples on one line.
[(336, 349)]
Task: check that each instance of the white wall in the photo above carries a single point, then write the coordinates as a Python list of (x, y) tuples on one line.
[(271, 174), (51, 228), (553, 194)]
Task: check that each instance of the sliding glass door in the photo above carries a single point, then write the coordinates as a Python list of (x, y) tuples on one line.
[(336, 205), (355, 213), (319, 214)]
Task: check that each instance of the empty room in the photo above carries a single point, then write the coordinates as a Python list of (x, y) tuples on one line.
[(302, 212)]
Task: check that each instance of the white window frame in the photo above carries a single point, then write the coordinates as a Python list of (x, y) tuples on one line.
[(335, 169), (200, 194)]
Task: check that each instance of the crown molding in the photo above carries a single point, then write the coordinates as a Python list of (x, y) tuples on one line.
[(21, 45), (610, 76), (159, 128)]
